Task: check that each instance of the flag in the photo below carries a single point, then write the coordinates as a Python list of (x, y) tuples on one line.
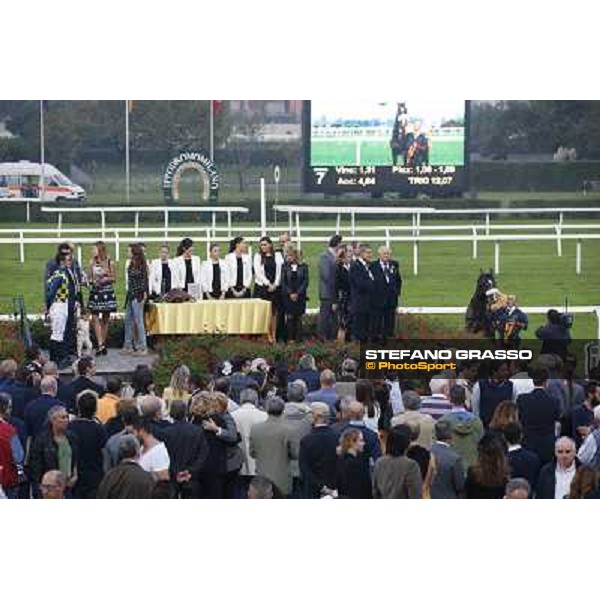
[(129, 106), (217, 106)]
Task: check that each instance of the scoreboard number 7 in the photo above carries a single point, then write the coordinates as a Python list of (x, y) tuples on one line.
[(320, 174)]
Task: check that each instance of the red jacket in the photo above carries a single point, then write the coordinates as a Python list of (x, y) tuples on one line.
[(8, 470)]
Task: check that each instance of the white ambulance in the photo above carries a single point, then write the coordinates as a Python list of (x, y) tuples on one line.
[(23, 180)]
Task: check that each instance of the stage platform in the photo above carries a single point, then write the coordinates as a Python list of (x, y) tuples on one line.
[(115, 363)]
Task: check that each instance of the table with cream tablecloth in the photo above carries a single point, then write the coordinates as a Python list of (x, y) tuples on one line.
[(234, 317)]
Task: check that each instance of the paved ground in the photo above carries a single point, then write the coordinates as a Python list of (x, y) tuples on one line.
[(117, 363)]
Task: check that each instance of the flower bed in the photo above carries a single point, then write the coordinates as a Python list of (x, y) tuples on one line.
[(202, 354), (10, 344)]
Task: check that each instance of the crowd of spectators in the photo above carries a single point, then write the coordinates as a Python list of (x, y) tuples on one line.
[(255, 430)]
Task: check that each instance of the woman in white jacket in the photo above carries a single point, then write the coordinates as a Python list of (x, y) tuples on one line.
[(268, 265), (161, 273), (214, 275), (186, 267), (239, 269)]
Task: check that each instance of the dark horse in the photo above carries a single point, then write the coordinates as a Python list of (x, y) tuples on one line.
[(479, 317)]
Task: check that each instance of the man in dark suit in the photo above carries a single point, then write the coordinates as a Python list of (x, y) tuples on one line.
[(523, 463), (387, 287), (327, 292), (86, 369), (362, 289), (318, 456), (538, 413), (187, 447), (280, 328)]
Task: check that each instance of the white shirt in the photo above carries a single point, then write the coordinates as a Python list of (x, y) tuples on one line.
[(396, 398), (259, 270), (563, 481), (245, 417), (206, 276), (155, 276), (178, 272), (522, 384), (155, 459), (588, 449), (372, 422), (231, 262)]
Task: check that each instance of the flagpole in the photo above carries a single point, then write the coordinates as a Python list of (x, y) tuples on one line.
[(42, 150), (212, 130), (127, 180)]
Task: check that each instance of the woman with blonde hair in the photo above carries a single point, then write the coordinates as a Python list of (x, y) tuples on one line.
[(353, 475), (178, 388), (294, 285), (219, 474), (102, 300)]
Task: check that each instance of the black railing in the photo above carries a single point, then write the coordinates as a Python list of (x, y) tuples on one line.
[(20, 316)]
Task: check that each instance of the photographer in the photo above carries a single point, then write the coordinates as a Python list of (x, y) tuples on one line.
[(555, 334)]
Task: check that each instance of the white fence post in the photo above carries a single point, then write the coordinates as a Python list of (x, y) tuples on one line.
[(263, 208), (474, 242), (338, 223), (79, 254), (387, 237), (557, 230), (137, 223), (415, 257), (117, 246), (298, 234), (578, 258), (497, 257), (21, 247)]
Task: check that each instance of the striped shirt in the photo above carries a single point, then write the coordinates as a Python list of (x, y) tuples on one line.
[(435, 405)]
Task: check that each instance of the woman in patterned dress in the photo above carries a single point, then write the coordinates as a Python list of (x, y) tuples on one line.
[(102, 299)]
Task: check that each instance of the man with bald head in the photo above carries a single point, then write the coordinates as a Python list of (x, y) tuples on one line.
[(326, 393), (554, 480), (36, 411), (318, 455), (387, 288), (53, 486)]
